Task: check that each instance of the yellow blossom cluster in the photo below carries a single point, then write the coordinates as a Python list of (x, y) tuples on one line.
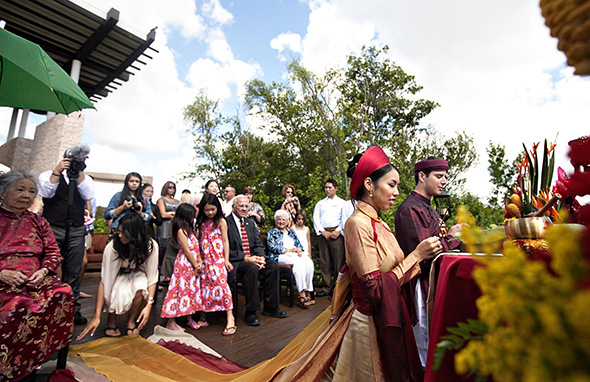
[(537, 318)]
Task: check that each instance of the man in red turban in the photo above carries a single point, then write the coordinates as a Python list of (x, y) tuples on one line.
[(416, 220)]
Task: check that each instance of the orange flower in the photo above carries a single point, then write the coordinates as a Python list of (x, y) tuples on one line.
[(534, 150), (550, 149)]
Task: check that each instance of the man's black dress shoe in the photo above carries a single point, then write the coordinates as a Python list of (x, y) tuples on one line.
[(275, 313), (322, 293), (251, 319), (80, 319)]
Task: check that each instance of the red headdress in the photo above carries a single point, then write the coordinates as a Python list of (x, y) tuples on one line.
[(373, 159), (432, 165)]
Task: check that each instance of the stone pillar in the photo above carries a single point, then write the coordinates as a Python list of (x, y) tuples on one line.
[(52, 138), (75, 72), (12, 129), (22, 130)]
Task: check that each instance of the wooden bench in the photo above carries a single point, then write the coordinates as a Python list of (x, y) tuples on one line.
[(94, 255)]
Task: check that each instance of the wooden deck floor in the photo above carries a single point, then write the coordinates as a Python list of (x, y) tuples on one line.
[(248, 347)]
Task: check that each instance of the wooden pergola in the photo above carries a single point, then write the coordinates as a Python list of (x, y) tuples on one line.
[(73, 35)]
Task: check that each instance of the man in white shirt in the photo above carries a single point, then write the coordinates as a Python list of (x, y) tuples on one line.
[(64, 210), (329, 226), (229, 193)]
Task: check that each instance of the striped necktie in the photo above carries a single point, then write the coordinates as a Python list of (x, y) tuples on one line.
[(245, 243)]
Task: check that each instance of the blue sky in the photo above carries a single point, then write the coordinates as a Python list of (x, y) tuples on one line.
[(492, 67)]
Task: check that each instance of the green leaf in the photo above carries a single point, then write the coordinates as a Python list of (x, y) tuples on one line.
[(525, 190), (535, 177), (477, 326), (439, 353), (460, 331), (545, 168)]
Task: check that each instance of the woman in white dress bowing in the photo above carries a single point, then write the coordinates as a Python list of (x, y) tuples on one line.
[(128, 277)]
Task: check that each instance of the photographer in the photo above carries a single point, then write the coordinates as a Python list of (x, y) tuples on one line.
[(127, 201), (290, 203), (66, 189)]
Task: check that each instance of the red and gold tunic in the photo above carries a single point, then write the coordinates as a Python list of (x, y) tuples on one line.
[(37, 321), (378, 269)]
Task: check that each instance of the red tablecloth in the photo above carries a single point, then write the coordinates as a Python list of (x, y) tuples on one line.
[(454, 302)]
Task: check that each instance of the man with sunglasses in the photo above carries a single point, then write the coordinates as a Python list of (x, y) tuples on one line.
[(229, 193)]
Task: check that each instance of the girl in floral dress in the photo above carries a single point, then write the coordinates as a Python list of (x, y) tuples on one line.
[(216, 294), (184, 293)]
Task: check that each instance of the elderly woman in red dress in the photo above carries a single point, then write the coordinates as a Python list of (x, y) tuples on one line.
[(36, 309)]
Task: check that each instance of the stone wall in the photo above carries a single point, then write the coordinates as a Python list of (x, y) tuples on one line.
[(16, 153), (52, 138)]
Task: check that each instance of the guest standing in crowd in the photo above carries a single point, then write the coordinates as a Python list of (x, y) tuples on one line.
[(148, 192), (129, 200), (167, 206), (284, 246), (36, 309), (65, 213), (329, 227), (255, 210), (377, 269), (290, 202), (185, 196), (229, 193), (128, 277), (184, 293), (215, 292), (212, 187), (415, 220), (304, 236)]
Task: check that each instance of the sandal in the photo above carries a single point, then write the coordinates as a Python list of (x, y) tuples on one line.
[(134, 330), (114, 329), (310, 301), (174, 326), (203, 323), (229, 331), (303, 302), (193, 325)]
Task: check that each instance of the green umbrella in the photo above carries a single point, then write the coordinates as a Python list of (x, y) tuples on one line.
[(30, 79)]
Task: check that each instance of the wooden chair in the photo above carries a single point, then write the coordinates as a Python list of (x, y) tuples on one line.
[(288, 279)]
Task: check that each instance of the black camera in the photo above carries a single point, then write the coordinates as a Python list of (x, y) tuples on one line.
[(134, 204), (77, 156)]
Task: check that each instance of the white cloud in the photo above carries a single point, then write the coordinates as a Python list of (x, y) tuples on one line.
[(145, 114), (289, 40), (143, 15), (218, 48), (333, 32), (218, 78), (217, 13)]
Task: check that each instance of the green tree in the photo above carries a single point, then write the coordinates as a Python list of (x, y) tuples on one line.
[(306, 123), (502, 173), (371, 101), (317, 122), (378, 102), (204, 120)]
